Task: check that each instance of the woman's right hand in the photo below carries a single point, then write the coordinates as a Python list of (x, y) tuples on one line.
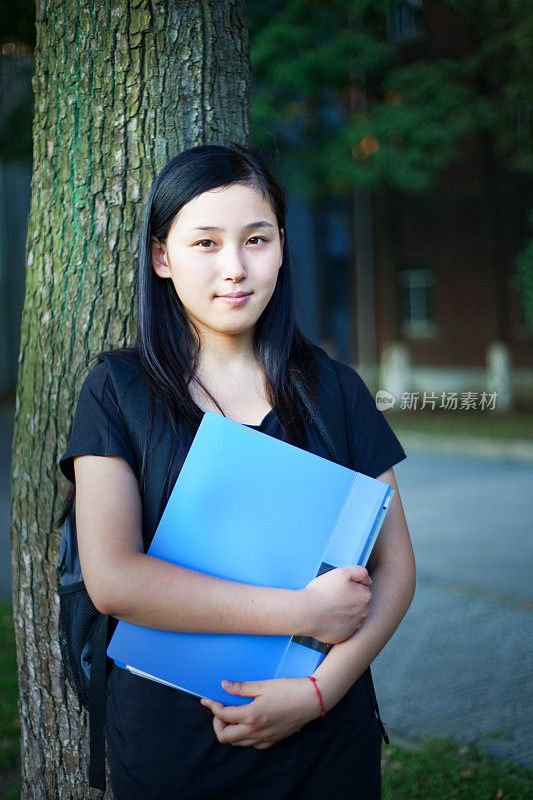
[(336, 603)]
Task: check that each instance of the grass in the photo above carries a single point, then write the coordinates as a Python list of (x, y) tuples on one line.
[(427, 770), (9, 717), (516, 424), (443, 770)]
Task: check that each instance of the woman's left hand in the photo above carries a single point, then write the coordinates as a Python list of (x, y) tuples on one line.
[(281, 707)]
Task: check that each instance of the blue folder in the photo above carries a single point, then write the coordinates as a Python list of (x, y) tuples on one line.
[(251, 508)]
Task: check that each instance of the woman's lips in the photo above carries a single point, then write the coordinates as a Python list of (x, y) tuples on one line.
[(235, 299)]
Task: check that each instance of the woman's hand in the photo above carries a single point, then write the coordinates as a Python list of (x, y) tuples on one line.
[(336, 603), (281, 707)]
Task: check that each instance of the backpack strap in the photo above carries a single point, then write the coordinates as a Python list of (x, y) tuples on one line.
[(97, 705), (133, 397)]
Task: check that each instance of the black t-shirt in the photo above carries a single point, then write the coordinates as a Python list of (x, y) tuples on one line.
[(160, 741), (99, 429)]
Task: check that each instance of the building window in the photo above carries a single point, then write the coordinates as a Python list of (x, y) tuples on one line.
[(417, 305), (405, 21)]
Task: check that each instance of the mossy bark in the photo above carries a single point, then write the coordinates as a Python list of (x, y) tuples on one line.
[(120, 87)]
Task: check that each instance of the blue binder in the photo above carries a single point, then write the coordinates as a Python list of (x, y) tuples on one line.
[(249, 507)]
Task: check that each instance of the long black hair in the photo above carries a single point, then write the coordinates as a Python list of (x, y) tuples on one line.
[(168, 344)]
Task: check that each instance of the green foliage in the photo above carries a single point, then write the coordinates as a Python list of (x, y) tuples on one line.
[(326, 76), (523, 275), (331, 90), (17, 22), (501, 68), (333, 93), (407, 142)]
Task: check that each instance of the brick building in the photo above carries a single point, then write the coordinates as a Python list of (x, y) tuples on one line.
[(433, 272)]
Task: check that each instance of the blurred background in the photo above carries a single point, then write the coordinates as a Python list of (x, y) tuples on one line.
[(412, 247), (402, 132)]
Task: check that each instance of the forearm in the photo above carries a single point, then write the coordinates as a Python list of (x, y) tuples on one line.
[(282, 705), (392, 591), (157, 594)]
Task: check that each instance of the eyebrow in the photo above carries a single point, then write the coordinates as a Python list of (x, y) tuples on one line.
[(260, 223)]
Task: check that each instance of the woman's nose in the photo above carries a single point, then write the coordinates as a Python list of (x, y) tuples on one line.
[(233, 267)]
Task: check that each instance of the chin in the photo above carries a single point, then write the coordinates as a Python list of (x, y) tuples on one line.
[(235, 330)]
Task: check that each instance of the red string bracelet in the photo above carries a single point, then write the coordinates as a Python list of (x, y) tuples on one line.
[(319, 695)]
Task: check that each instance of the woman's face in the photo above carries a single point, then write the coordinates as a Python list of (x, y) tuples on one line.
[(223, 254)]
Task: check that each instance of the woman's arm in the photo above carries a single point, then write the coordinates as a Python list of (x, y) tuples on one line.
[(128, 584), (283, 706), (392, 568)]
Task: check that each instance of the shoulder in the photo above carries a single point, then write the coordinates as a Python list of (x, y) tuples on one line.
[(95, 383), (105, 382), (110, 365), (372, 444), (352, 385), (353, 388), (99, 427)]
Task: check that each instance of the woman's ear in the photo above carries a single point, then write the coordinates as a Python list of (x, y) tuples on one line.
[(282, 241), (159, 258)]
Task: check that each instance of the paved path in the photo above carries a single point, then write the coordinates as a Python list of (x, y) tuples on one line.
[(460, 664)]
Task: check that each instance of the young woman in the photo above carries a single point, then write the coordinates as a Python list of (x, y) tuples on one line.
[(216, 331)]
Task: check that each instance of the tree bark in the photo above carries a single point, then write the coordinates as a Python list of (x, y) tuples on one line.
[(120, 87)]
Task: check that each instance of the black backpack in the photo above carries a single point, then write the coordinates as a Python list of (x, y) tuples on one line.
[(83, 631)]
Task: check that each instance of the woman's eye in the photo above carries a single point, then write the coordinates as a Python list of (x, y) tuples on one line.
[(205, 244)]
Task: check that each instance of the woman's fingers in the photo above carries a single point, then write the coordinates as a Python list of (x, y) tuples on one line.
[(359, 574), (213, 705), (218, 727), (236, 725), (282, 709), (245, 688), (232, 714), (238, 734)]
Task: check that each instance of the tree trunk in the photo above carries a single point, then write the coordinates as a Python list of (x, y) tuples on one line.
[(120, 87)]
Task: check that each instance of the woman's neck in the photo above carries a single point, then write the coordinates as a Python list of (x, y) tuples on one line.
[(226, 353), (230, 373)]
